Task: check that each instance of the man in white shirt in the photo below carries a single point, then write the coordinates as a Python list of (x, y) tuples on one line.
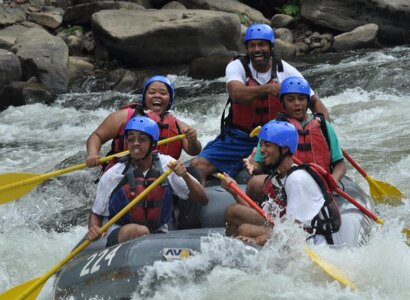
[(298, 195), (253, 84), (125, 180)]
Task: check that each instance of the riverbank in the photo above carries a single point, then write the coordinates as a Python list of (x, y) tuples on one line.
[(50, 47)]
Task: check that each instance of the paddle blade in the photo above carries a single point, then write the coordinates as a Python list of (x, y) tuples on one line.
[(14, 185), (331, 270), (255, 131), (24, 291), (384, 192)]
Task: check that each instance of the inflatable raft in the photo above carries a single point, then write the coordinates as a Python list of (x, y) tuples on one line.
[(114, 273)]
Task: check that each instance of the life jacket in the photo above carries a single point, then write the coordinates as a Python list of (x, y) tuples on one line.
[(313, 143), (328, 220), (152, 211), (119, 143), (168, 127), (246, 117), (273, 189)]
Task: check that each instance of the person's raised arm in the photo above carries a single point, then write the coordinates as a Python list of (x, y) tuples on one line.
[(107, 130), (225, 183), (196, 190), (191, 144)]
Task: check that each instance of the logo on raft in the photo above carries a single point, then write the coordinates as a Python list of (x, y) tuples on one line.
[(171, 254)]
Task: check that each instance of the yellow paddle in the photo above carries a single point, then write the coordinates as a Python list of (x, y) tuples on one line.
[(329, 269), (15, 185), (31, 289), (381, 192)]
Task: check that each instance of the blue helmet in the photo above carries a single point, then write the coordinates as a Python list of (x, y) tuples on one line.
[(145, 125), (280, 133), (259, 32), (297, 85), (164, 80)]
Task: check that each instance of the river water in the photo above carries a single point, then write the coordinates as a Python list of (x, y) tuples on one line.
[(368, 95)]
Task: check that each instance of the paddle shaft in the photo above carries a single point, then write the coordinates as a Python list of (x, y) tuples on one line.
[(44, 177), (245, 197), (354, 163), (77, 250)]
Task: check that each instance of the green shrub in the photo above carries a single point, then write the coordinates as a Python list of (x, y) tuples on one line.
[(72, 29), (291, 8)]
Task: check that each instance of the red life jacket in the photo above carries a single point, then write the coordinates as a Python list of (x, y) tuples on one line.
[(119, 143), (154, 210), (313, 146), (248, 116), (273, 191), (168, 127)]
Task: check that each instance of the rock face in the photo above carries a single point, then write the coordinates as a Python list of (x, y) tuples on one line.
[(362, 37), (389, 15), (10, 68), (45, 57), (156, 37)]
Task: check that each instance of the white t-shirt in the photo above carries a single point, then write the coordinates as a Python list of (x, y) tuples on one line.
[(235, 71), (113, 176), (304, 197)]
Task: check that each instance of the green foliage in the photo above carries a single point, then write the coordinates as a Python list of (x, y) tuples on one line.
[(291, 8), (72, 29)]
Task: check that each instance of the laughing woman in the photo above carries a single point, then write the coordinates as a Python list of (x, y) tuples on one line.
[(158, 97)]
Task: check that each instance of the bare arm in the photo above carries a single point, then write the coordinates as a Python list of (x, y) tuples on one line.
[(317, 106), (107, 130), (196, 190), (243, 94), (191, 144), (225, 181), (339, 170), (94, 224)]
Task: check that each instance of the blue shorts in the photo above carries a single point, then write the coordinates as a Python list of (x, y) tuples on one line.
[(227, 154)]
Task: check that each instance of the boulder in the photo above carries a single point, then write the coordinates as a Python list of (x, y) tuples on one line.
[(247, 14), (44, 56), (50, 18), (361, 37), (165, 37), (210, 67), (9, 35), (10, 68), (10, 16), (392, 17), (81, 13), (20, 93)]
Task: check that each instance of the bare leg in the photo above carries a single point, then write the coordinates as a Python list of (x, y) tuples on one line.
[(204, 167), (254, 188), (253, 231), (237, 214), (132, 231)]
